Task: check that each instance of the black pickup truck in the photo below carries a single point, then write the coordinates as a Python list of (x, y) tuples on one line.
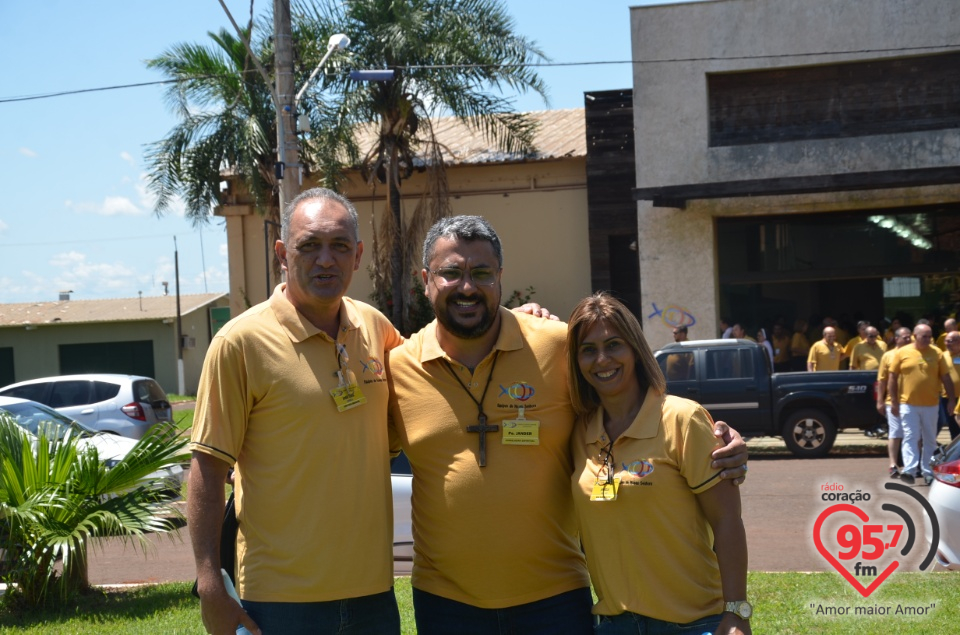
[(732, 379)]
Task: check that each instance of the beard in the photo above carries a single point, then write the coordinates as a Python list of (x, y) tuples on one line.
[(449, 321)]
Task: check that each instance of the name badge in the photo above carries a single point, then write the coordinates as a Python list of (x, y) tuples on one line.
[(347, 394), (604, 491), (521, 432)]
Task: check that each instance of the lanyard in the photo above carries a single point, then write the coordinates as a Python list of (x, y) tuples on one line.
[(482, 428)]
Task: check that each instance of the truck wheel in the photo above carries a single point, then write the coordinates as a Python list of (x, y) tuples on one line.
[(809, 433)]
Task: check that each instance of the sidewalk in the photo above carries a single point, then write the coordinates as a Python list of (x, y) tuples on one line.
[(845, 439)]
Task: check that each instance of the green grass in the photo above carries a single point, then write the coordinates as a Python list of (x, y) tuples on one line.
[(784, 604)]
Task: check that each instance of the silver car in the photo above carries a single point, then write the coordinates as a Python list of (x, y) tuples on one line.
[(127, 405), (111, 448), (944, 497)]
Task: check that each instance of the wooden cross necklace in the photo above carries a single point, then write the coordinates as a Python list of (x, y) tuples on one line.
[(482, 428)]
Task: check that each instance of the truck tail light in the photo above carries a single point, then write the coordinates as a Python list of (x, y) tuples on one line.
[(948, 473), (134, 411), (876, 390)]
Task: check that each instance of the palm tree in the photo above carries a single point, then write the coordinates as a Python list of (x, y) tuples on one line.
[(227, 124), (57, 496), (450, 57)]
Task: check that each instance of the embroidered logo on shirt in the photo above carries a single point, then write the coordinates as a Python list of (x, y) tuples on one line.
[(519, 391), (373, 365), (639, 468)]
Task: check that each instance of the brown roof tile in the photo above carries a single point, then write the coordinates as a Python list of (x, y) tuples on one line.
[(114, 310)]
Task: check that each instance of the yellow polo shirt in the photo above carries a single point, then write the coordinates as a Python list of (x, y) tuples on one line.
[(883, 374), (921, 374), (313, 484), (504, 534), (941, 342), (824, 357), (781, 349), (866, 356), (954, 364), (650, 551), (850, 345)]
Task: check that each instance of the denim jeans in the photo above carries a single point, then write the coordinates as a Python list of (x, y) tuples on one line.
[(368, 615), (634, 624), (564, 614)]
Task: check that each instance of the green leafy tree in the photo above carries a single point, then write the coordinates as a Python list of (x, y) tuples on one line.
[(57, 496), (457, 58), (227, 124)]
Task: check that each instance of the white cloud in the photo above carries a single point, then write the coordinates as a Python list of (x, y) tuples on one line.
[(126, 156), (111, 206), (148, 200), (3, 227), (80, 275), (224, 251), (27, 152)]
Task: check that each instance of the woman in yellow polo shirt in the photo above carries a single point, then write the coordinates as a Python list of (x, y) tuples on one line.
[(662, 533)]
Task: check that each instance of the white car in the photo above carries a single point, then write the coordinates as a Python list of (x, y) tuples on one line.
[(401, 478), (944, 497), (127, 405), (111, 448)]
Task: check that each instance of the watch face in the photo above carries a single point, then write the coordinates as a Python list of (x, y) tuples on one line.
[(745, 610)]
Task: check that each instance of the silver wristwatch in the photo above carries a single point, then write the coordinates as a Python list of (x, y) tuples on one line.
[(740, 608)]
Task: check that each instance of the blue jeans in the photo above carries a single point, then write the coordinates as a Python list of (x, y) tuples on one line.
[(564, 614), (368, 615), (947, 419), (919, 438), (634, 624)]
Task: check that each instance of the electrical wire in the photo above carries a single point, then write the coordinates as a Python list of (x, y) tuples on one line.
[(938, 47)]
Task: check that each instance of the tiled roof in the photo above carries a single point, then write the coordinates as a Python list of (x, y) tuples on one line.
[(560, 133), (114, 310)]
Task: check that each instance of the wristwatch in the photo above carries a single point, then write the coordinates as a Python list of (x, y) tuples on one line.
[(740, 608)]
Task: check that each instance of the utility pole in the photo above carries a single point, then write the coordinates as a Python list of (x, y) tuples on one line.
[(288, 154)]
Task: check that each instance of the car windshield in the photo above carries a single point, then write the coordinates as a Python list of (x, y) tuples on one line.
[(32, 417)]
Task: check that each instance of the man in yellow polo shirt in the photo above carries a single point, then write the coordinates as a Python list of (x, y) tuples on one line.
[(924, 370), (949, 326), (825, 354), (480, 405), (294, 395), (894, 425), (866, 354), (952, 354)]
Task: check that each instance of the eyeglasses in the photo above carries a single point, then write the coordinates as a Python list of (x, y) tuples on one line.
[(452, 276)]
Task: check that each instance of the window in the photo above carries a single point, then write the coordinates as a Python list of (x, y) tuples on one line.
[(70, 393), (735, 363), (678, 366), (33, 392), (103, 390)]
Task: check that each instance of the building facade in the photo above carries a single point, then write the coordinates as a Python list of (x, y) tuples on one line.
[(796, 159)]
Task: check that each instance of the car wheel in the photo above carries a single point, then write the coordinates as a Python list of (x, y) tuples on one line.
[(809, 433)]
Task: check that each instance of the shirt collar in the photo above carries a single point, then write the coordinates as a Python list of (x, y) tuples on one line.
[(646, 424), (510, 337), (298, 327)]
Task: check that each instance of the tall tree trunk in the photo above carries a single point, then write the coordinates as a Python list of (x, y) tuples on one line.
[(397, 270)]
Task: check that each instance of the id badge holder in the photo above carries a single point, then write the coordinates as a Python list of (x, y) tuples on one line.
[(604, 491), (347, 393), (520, 431)]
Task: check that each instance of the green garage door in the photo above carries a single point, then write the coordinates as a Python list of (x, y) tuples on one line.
[(6, 366), (128, 358)]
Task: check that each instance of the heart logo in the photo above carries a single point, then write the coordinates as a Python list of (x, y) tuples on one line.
[(829, 557)]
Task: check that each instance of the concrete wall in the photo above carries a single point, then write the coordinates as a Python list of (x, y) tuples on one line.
[(539, 210), (677, 247)]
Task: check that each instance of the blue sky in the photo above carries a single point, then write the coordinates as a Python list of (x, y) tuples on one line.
[(75, 214)]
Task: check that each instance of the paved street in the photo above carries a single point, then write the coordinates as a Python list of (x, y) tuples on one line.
[(781, 501)]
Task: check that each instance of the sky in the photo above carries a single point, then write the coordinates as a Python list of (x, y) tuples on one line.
[(75, 214)]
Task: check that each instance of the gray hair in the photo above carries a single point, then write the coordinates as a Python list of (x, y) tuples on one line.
[(463, 228), (323, 194)]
